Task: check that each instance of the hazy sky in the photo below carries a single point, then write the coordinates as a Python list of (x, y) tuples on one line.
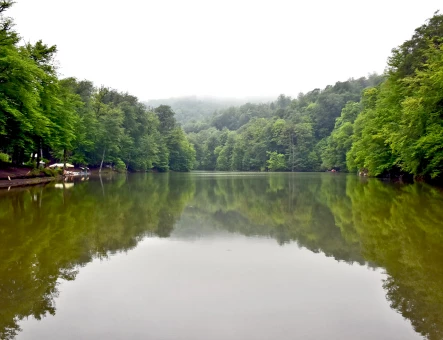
[(160, 49)]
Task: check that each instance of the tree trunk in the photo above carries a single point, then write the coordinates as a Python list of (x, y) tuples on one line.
[(37, 164)]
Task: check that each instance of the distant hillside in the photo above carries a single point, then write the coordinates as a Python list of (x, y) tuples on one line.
[(193, 108), (286, 134)]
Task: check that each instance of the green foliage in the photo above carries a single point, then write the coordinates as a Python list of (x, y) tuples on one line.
[(276, 161), (119, 166), (381, 125), (295, 128), (412, 55), (31, 164), (35, 172), (389, 125), (51, 172), (400, 128), (181, 152), (340, 140), (71, 120), (4, 157)]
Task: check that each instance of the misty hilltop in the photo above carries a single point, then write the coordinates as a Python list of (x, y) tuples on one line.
[(196, 108)]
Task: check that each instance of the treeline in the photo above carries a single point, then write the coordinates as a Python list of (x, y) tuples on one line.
[(44, 117), (288, 134), (382, 125)]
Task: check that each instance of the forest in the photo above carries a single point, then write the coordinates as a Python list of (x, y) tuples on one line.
[(44, 118), (380, 125), (388, 125)]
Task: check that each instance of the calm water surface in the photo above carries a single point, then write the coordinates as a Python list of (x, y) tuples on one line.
[(222, 256)]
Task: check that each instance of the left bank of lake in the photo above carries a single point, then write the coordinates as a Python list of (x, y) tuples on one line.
[(15, 177)]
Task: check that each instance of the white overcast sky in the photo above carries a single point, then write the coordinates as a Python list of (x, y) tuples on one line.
[(160, 49)]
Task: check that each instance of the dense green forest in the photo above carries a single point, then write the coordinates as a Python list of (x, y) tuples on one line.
[(382, 125), (44, 117), (288, 134)]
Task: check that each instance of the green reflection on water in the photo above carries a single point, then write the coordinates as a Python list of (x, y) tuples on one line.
[(48, 233)]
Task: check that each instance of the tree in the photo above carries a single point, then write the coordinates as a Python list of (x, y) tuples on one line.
[(166, 118), (181, 151), (276, 161), (340, 140)]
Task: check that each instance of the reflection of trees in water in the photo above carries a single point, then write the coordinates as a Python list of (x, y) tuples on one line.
[(283, 207), (401, 229), (47, 234), (393, 226)]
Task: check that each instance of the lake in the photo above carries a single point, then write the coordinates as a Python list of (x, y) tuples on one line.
[(206, 255)]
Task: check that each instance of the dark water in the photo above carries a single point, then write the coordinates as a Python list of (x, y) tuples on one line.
[(222, 256)]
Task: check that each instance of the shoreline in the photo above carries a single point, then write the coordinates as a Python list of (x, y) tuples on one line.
[(26, 181)]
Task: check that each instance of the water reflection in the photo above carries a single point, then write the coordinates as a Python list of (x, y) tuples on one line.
[(48, 233)]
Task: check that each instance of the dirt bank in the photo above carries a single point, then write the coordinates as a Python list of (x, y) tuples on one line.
[(15, 177), (18, 182)]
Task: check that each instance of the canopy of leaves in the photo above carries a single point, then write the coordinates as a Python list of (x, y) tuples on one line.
[(71, 120)]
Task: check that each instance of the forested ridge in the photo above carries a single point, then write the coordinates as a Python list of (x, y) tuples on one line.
[(380, 125), (44, 117), (288, 134)]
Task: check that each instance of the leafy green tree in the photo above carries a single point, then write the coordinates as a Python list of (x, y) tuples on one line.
[(369, 152), (276, 161), (399, 130), (21, 117), (166, 118), (224, 159), (418, 137), (340, 140), (181, 151)]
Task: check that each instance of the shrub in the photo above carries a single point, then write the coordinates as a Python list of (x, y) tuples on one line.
[(120, 166), (48, 172), (4, 157), (31, 164), (52, 172), (35, 172)]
